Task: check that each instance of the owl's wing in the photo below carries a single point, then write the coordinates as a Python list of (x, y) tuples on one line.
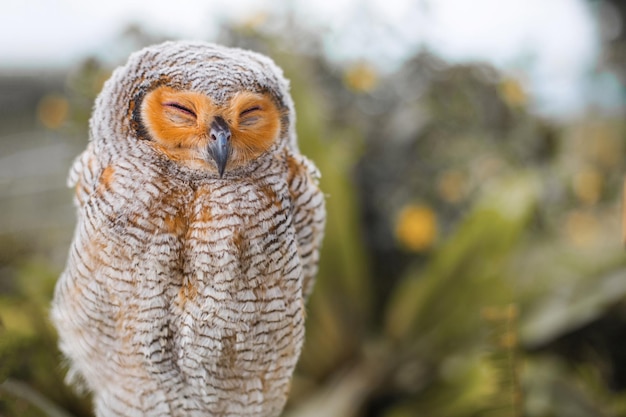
[(83, 175), (309, 215)]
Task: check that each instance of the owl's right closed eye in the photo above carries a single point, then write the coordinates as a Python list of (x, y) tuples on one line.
[(197, 241)]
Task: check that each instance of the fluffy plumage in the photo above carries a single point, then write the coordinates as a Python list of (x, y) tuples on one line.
[(185, 286)]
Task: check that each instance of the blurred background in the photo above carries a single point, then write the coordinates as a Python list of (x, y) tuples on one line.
[(472, 153)]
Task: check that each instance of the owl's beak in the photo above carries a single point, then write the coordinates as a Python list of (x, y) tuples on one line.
[(219, 143)]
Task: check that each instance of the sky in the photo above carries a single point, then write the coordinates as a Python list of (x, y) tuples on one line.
[(551, 46)]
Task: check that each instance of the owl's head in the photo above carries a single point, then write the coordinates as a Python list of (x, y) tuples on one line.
[(201, 106)]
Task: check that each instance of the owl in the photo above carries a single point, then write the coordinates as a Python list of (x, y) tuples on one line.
[(197, 240)]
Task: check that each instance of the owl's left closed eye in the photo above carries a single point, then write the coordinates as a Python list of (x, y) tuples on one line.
[(180, 110), (187, 127)]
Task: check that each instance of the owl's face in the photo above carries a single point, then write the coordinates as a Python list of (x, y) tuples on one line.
[(192, 130)]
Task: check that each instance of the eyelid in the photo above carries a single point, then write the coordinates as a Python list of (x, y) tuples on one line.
[(249, 110), (180, 107)]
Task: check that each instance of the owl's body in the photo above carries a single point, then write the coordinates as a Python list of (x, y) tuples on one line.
[(185, 285)]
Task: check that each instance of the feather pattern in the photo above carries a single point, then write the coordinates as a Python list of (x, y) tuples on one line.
[(184, 293)]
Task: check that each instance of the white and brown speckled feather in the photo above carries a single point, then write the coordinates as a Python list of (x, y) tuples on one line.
[(184, 292)]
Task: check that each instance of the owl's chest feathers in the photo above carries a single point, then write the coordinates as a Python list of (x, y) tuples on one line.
[(239, 243), (224, 249)]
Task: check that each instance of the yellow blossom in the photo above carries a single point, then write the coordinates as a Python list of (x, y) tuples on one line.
[(52, 111), (587, 185), (254, 21), (512, 92), (581, 228), (361, 77), (451, 186), (416, 227)]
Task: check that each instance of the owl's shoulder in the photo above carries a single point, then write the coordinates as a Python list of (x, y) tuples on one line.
[(298, 165)]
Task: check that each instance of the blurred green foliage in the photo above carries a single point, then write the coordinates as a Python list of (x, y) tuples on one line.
[(472, 264)]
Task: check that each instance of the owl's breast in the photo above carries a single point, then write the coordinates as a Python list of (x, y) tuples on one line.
[(240, 307)]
